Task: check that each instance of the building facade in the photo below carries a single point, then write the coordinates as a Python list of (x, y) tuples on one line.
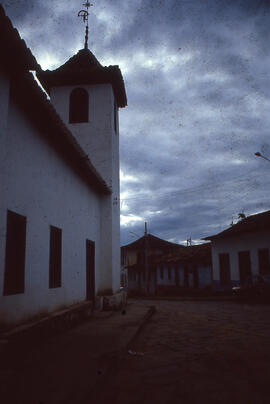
[(156, 266), (59, 181), (240, 251)]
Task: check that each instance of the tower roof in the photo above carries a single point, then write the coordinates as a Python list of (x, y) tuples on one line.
[(83, 68)]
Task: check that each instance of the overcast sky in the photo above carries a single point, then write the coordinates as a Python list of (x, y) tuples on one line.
[(197, 80)]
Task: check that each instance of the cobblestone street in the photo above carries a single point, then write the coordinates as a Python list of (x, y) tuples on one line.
[(196, 352)]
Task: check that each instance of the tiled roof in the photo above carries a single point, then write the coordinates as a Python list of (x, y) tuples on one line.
[(196, 253), (253, 223), (153, 242), (25, 91), (84, 68)]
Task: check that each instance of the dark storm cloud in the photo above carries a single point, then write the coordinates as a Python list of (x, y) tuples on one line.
[(197, 80)]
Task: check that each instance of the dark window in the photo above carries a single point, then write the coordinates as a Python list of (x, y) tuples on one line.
[(186, 277), (55, 257), (224, 269), (176, 275), (195, 277), (90, 270), (143, 275), (169, 272), (263, 255), (115, 117), (161, 272), (15, 254), (140, 258), (78, 106), (244, 265)]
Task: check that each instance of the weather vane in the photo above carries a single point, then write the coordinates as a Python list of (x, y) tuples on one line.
[(84, 14)]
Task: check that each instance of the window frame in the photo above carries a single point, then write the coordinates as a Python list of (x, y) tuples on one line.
[(14, 274), (55, 258), (79, 106)]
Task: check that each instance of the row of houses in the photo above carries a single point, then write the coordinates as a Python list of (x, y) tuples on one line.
[(155, 266)]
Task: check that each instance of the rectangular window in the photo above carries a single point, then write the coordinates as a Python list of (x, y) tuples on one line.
[(161, 272), (186, 277), (15, 254), (224, 269), (263, 256), (195, 277), (55, 257), (169, 273)]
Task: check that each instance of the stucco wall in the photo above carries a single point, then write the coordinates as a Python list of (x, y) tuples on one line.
[(99, 140), (4, 97), (165, 280), (40, 185), (204, 275), (243, 242)]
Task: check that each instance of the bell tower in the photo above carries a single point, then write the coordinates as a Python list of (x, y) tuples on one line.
[(87, 97)]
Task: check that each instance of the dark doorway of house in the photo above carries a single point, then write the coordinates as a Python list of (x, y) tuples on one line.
[(263, 255), (90, 270), (224, 269), (244, 265)]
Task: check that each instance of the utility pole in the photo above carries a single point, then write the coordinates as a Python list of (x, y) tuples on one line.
[(146, 266)]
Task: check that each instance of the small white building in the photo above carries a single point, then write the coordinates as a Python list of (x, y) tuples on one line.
[(59, 181), (240, 251)]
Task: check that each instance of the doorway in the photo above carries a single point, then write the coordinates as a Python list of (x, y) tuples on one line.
[(90, 270), (244, 265)]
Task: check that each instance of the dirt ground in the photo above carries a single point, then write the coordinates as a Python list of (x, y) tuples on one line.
[(195, 352), (188, 352)]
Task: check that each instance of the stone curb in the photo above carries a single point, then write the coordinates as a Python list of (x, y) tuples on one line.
[(49, 325)]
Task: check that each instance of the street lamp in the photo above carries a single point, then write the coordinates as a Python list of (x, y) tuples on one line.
[(258, 154)]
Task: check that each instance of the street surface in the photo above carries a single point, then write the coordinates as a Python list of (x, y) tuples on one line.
[(190, 352), (195, 352)]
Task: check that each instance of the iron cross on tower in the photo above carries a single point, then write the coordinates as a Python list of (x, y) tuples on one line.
[(84, 14)]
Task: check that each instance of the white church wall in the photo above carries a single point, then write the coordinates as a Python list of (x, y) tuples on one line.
[(4, 96), (116, 261), (40, 185), (95, 136), (4, 101), (100, 142)]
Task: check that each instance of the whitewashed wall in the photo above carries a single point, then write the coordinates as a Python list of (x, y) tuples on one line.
[(204, 276), (100, 142), (243, 242), (38, 184)]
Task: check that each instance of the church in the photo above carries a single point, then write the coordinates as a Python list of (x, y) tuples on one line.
[(59, 181)]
